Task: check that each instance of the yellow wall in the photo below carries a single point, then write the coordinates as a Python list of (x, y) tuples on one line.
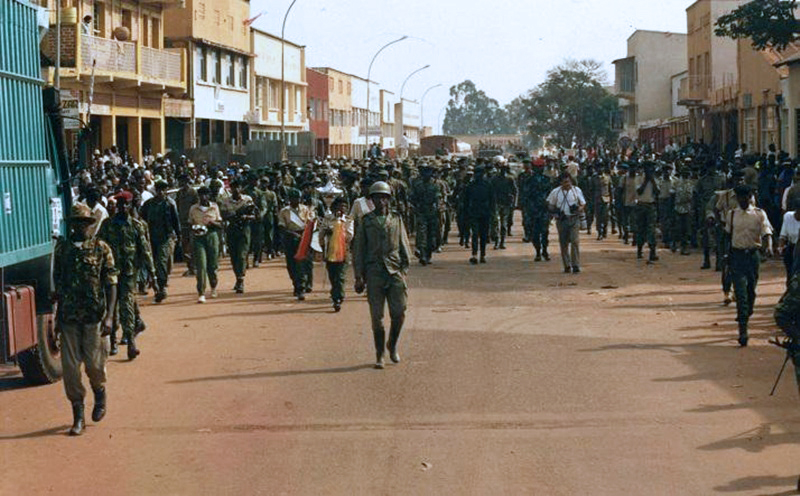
[(219, 21)]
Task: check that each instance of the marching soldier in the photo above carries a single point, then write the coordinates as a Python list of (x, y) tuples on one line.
[(85, 279), (161, 215), (425, 198), (239, 211)]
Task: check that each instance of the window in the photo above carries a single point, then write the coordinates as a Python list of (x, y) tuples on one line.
[(156, 39), (330, 80), (202, 55), (257, 91), (217, 66), (145, 31), (243, 73), (349, 88), (127, 19), (341, 87), (275, 96), (99, 19), (231, 79)]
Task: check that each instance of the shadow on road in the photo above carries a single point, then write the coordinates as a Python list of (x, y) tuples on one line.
[(12, 383), (280, 373), (53, 431), (759, 482)]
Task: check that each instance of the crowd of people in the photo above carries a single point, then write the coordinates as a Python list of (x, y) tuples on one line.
[(338, 210)]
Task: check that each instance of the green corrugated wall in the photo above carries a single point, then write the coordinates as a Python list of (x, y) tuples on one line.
[(25, 174)]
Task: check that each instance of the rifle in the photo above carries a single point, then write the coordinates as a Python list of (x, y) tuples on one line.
[(789, 345)]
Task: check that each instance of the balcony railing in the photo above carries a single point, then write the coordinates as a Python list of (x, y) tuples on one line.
[(161, 64), (695, 89), (108, 55)]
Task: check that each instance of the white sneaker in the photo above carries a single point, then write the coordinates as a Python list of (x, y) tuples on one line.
[(201, 299), (213, 293)]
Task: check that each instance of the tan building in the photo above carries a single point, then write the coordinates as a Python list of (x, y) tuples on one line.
[(713, 75), (116, 69), (341, 120), (216, 36)]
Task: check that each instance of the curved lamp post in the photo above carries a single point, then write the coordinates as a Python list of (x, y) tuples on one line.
[(284, 154), (422, 106), (369, 72)]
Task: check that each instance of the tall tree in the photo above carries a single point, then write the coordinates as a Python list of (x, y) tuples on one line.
[(572, 105), (768, 23), (471, 111)]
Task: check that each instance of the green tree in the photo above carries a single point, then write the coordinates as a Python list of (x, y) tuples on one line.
[(768, 23), (471, 111), (572, 105)]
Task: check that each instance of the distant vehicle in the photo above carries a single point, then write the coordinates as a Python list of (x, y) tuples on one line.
[(34, 190), (443, 146)]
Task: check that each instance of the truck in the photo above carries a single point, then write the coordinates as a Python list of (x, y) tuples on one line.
[(34, 194)]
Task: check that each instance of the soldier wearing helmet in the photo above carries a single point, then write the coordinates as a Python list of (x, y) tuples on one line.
[(381, 257)]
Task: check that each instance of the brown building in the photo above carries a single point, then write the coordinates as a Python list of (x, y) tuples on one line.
[(216, 35), (115, 67), (318, 110)]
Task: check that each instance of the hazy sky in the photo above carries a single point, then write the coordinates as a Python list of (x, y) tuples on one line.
[(505, 47)]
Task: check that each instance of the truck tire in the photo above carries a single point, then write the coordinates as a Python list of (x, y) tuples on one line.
[(42, 363)]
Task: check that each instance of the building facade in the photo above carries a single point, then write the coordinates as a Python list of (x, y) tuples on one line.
[(340, 130), (265, 115), (214, 108), (643, 79), (116, 70), (318, 111)]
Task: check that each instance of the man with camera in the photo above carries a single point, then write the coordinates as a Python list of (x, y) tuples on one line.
[(567, 203)]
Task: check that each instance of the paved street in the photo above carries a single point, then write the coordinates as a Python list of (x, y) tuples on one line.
[(516, 379)]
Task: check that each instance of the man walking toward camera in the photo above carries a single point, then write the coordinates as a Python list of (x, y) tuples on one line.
[(381, 256), (567, 203)]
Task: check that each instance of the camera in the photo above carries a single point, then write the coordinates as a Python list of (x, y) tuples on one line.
[(573, 209)]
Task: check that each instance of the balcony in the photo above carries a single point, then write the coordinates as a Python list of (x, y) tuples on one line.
[(118, 64), (695, 91)]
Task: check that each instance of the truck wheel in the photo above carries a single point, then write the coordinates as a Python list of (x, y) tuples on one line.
[(42, 363)]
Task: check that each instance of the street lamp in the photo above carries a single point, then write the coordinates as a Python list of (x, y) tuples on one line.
[(369, 72), (284, 154), (422, 106), (439, 119), (403, 87)]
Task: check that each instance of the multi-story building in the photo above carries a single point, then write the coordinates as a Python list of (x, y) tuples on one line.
[(115, 67), (388, 101), (709, 91), (216, 34), (366, 125), (407, 120), (318, 111), (644, 78), (340, 131), (265, 115)]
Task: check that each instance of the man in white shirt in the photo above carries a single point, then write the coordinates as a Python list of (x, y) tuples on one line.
[(403, 146), (788, 240), (750, 232), (567, 203)]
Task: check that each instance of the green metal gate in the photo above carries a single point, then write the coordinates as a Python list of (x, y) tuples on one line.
[(26, 177)]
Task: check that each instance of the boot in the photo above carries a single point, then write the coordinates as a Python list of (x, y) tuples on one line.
[(545, 255), (78, 421), (133, 351), (653, 256), (639, 254), (99, 410), (743, 335), (239, 287), (114, 348)]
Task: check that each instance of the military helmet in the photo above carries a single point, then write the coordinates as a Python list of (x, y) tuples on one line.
[(81, 213), (380, 188)]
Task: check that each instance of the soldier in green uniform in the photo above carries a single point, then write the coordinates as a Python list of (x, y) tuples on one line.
[(184, 199), (706, 186), (522, 194), (205, 220), (127, 237), (239, 211), (381, 257), (85, 278), (787, 317), (425, 198), (479, 203), (647, 193), (257, 225), (161, 216)]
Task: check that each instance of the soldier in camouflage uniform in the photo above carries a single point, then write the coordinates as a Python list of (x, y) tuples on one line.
[(705, 188), (787, 317), (269, 219), (127, 238), (522, 193), (505, 192), (425, 198), (539, 186), (85, 280), (161, 215)]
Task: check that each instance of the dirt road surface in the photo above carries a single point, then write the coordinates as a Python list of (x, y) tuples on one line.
[(516, 379)]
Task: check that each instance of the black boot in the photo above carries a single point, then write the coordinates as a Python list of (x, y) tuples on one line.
[(99, 410), (133, 351), (78, 421)]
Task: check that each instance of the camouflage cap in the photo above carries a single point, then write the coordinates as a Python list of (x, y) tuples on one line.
[(81, 213)]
